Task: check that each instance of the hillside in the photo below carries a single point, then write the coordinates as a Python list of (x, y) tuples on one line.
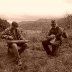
[(34, 58), (44, 24), (35, 25)]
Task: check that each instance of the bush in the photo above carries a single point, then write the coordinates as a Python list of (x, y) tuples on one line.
[(3, 24)]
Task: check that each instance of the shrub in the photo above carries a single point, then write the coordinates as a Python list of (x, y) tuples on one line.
[(3, 24)]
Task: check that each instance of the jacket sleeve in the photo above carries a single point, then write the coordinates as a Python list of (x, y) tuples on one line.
[(4, 34), (64, 34), (50, 32), (20, 35), (59, 32)]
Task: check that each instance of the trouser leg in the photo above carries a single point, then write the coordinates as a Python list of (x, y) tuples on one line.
[(23, 46), (15, 50), (46, 47), (54, 50), (55, 47)]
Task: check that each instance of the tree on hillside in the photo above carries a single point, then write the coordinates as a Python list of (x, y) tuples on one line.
[(66, 22), (3, 24), (69, 21)]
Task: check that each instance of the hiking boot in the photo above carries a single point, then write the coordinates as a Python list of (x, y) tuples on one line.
[(19, 62)]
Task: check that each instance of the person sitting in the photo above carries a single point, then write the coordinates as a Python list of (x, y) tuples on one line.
[(54, 39), (13, 33)]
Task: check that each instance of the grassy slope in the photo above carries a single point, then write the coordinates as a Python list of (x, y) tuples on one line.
[(35, 58)]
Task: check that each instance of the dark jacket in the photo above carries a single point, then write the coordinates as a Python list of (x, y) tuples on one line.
[(57, 32)]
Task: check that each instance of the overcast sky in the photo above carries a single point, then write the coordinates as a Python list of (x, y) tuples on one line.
[(54, 8)]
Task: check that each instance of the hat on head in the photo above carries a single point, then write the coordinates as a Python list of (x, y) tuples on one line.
[(15, 24), (53, 21)]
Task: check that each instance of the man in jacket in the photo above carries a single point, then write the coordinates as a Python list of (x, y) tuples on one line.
[(54, 39), (13, 33)]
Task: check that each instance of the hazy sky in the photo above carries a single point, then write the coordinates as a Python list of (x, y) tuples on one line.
[(35, 7)]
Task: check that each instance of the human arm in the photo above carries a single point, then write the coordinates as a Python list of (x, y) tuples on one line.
[(59, 32), (5, 34), (50, 32), (50, 35), (20, 35), (64, 34)]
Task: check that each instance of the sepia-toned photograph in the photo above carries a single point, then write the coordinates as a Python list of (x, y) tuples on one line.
[(35, 35)]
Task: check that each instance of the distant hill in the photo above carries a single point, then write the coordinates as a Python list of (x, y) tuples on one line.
[(44, 24), (35, 25), (66, 22), (3, 24)]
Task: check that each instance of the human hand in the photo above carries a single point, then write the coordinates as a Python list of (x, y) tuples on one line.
[(10, 37), (51, 37)]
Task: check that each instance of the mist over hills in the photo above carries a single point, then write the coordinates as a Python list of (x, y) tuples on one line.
[(28, 22), (35, 25), (20, 18), (44, 23)]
